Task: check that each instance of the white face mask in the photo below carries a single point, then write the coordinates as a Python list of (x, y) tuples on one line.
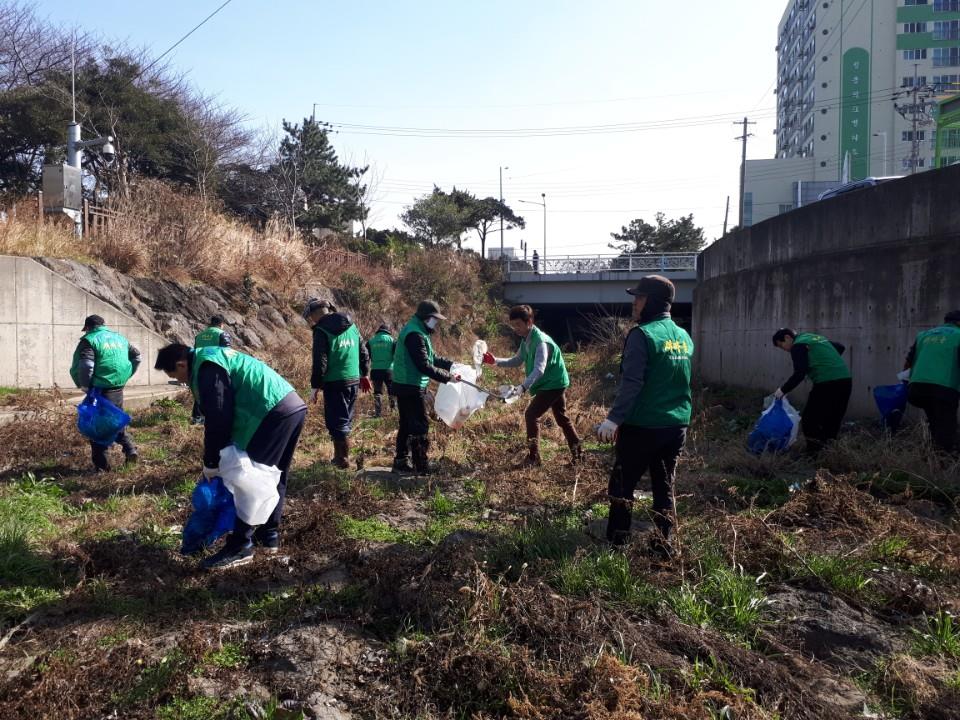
[(431, 323)]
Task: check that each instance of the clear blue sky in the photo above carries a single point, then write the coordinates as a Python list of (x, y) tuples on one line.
[(489, 66)]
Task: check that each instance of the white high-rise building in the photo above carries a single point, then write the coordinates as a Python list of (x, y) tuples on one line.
[(845, 107)]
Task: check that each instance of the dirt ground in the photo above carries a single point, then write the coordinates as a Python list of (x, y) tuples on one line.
[(801, 589)]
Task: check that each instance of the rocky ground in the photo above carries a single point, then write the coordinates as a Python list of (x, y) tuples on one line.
[(801, 590)]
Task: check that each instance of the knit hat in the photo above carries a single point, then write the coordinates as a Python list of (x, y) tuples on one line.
[(314, 304), (93, 321), (655, 286)]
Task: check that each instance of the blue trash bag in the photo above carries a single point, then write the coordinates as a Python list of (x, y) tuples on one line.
[(774, 431), (99, 420), (213, 515), (892, 404)]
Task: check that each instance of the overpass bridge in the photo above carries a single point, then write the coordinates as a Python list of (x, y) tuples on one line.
[(571, 292)]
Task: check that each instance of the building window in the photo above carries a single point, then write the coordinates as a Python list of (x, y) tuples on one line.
[(920, 54), (907, 135), (914, 2), (747, 209), (914, 27), (908, 82), (947, 30), (943, 84), (945, 5), (785, 208), (946, 57)]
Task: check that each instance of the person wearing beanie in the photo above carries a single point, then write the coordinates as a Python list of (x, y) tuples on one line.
[(381, 348), (415, 365), (248, 404), (819, 358), (212, 336), (547, 381), (105, 360), (934, 364), (341, 367), (650, 415)]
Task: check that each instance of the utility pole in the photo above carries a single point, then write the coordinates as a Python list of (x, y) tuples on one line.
[(743, 163), (915, 135), (501, 210), (918, 116), (726, 217)]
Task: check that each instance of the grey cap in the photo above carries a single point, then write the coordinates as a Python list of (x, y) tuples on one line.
[(429, 309), (655, 286), (314, 304)]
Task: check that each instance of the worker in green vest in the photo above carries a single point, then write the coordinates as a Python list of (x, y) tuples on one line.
[(211, 336), (341, 367), (415, 365), (819, 358), (934, 364), (547, 381), (381, 348), (105, 360), (649, 418), (248, 404)]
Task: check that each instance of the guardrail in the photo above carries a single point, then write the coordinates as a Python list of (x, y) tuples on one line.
[(603, 263)]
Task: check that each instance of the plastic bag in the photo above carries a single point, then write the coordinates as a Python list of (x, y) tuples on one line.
[(213, 515), (456, 402), (253, 485), (99, 420), (776, 430), (892, 403), (479, 350)]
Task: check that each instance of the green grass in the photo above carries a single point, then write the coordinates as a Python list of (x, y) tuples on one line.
[(843, 573), (155, 679), (198, 708), (889, 549), (607, 573), (543, 540), (372, 529), (714, 673), (289, 603), (229, 657), (441, 505), (725, 599), (765, 492), (940, 637)]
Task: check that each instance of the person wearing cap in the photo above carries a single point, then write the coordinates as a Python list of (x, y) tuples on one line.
[(105, 360), (820, 358), (650, 415), (415, 365), (341, 367), (381, 348), (547, 381), (934, 364), (248, 404), (212, 336)]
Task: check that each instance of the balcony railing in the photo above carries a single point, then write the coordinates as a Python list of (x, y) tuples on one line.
[(670, 262)]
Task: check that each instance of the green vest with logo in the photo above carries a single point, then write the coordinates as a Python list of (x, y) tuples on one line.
[(404, 371), (111, 351), (555, 375), (936, 358), (381, 351), (208, 338), (343, 355), (666, 399), (825, 362), (257, 388)]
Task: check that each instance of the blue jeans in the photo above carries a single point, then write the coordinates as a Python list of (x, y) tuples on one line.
[(338, 403)]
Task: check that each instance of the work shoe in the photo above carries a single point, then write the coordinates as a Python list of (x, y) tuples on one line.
[(576, 454), (661, 549), (267, 540), (377, 406), (228, 556), (131, 459), (196, 420), (420, 447), (341, 454), (402, 465), (533, 456)]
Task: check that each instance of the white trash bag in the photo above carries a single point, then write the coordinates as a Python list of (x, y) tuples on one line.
[(479, 350), (456, 402), (254, 486)]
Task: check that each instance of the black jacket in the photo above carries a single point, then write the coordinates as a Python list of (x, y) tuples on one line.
[(416, 345), (335, 324)]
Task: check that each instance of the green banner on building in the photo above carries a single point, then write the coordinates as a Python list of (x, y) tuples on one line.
[(855, 114)]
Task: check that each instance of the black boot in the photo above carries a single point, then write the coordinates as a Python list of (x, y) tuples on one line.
[(619, 521), (129, 449), (377, 405), (420, 446), (98, 453), (660, 544), (341, 454)]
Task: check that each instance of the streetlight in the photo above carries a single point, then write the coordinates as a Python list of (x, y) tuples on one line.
[(544, 205), (886, 158), (502, 168)]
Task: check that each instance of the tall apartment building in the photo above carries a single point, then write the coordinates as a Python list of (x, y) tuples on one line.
[(845, 69)]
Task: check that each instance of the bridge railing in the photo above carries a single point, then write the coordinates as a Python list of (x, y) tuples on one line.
[(572, 265)]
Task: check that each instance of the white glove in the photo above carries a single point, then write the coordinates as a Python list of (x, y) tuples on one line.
[(515, 392), (314, 395), (904, 376), (607, 431), (210, 473), (778, 394)]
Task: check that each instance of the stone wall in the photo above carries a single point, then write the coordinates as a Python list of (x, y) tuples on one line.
[(869, 270)]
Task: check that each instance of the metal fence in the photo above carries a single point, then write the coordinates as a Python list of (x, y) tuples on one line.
[(669, 262)]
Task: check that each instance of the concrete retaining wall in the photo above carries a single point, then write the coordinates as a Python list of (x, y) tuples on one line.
[(869, 270), (41, 317)]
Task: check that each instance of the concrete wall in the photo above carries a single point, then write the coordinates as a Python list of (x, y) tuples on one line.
[(603, 288), (870, 270), (41, 317)]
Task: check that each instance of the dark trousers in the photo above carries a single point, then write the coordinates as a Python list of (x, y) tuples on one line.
[(556, 401), (196, 414), (412, 411), (338, 403), (272, 444), (381, 378), (823, 414), (637, 451), (939, 404), (98, 453)]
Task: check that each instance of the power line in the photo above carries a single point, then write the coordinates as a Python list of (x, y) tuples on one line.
[(178, 42)]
